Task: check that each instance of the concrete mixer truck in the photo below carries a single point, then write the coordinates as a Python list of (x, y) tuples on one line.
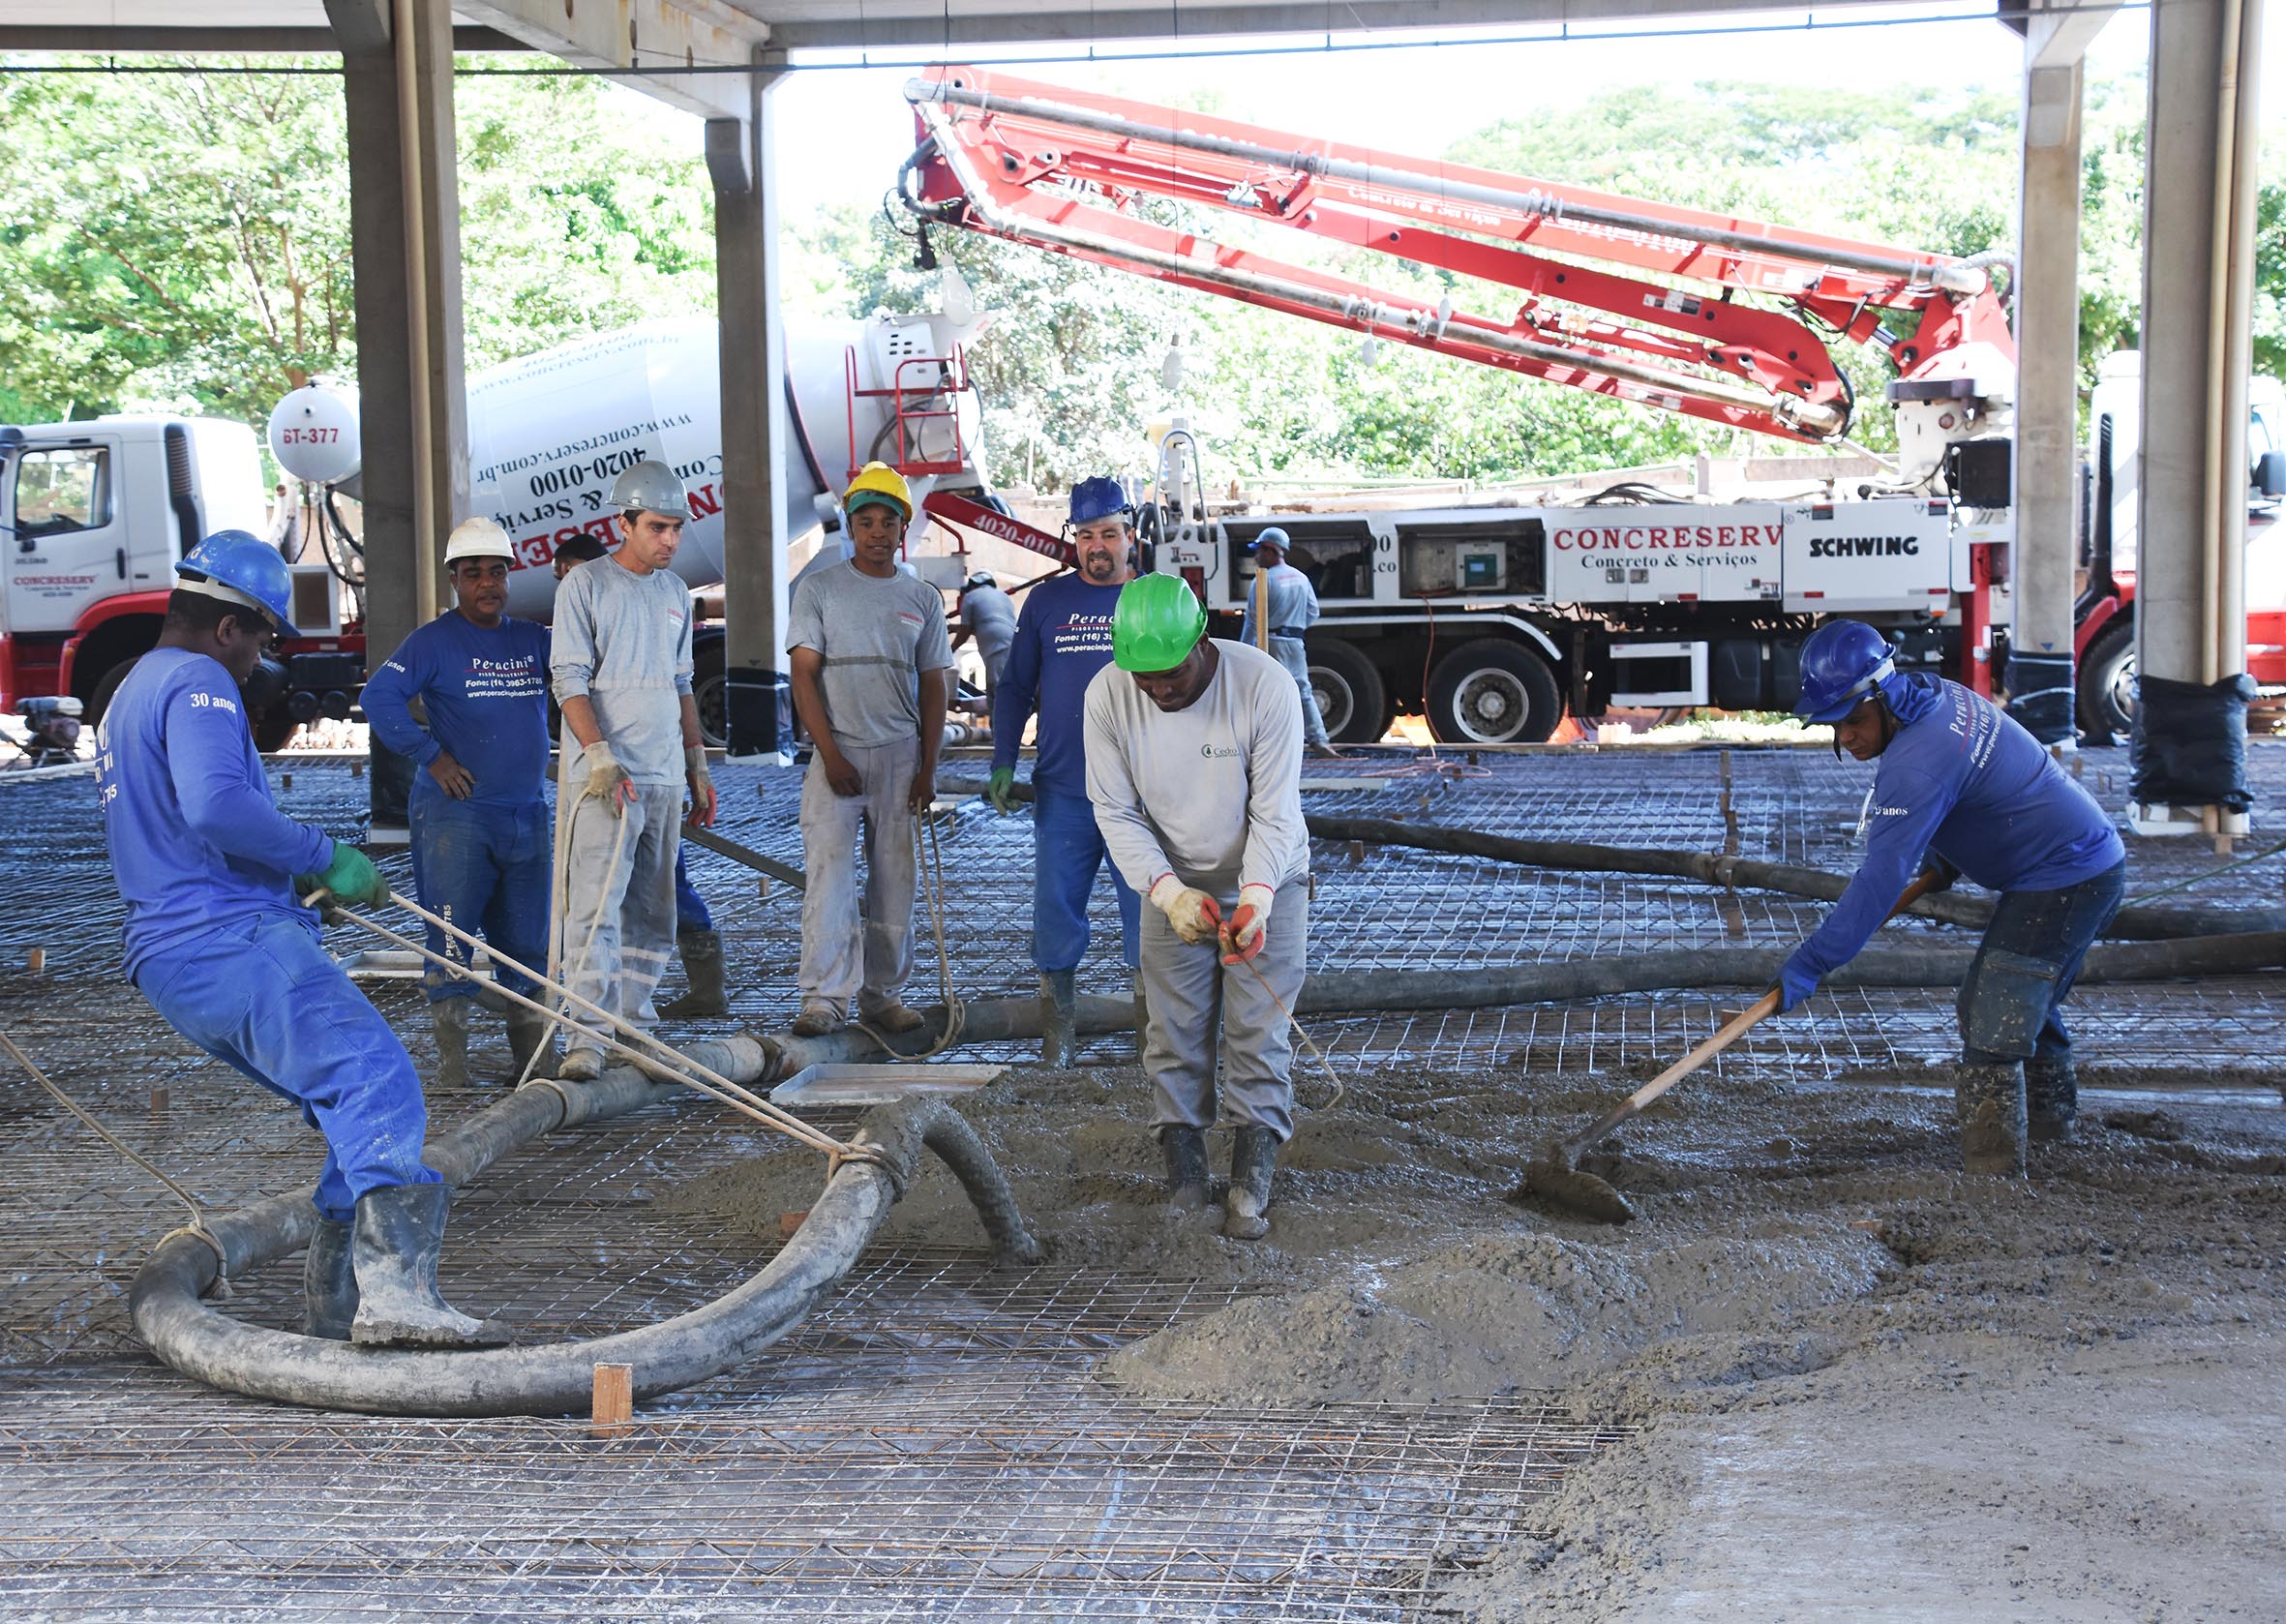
[(94, 514)]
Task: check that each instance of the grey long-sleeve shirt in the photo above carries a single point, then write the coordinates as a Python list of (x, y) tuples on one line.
[(624, 640), (1206, 792), (1293, 604)]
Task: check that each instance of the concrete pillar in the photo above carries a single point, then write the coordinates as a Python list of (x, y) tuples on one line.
[(2190, 616), (404, 237), (2047, 294), (742, 159)]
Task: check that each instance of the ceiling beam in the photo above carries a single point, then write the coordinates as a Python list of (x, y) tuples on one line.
[(137, 40), (653, 35)]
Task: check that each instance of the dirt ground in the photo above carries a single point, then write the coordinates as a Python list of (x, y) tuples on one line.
[(1870, 1387)]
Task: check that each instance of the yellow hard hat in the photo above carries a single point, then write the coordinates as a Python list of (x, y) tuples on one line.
[(878, 482)]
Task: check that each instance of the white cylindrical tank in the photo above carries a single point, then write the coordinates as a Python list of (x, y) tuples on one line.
[(549, 433)]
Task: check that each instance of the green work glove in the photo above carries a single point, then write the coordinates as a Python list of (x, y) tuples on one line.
[(1001, 790), (350, 875)]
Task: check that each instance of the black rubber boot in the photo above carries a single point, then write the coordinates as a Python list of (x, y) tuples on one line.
[(329, 1285), (1058, 1018), (1185, 1151), (2050, 1100), (1989, 1101), (528, 1033), (451, 1018), (399, 1232), (702, 967), (1253, 1159)]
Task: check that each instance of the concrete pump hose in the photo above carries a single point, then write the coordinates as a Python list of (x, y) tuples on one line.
[(553, 1379)]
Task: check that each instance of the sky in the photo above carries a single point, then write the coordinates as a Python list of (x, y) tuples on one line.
[(852, 128)]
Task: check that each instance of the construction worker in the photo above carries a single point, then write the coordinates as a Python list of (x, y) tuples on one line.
[(1280, 608), (479, 807), (871, 670), (1063, 639), (217, 939), (621, 664), (1961, 782), (990, 616), (696, 943), (1195, 766)]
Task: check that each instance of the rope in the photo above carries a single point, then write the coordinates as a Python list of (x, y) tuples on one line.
[(2224, 869), (1317, 1054), (930, 858), (678, 1067), (191, 1204), (562, 1017)]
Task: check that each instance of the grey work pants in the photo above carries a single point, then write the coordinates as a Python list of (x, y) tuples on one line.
[(1294, 655), (845, 957), (1191, 994), (628, 902)]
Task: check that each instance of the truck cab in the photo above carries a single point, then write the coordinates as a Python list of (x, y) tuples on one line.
[(94, 517)]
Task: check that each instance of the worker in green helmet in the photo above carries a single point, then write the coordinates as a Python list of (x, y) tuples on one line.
[(1194, 768)]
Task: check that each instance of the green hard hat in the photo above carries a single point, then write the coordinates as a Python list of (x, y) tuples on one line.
[(1157, 624)]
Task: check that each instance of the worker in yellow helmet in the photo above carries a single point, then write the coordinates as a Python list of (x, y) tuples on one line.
[(870, 660)]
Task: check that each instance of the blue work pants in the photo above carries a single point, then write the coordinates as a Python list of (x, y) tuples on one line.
[(485, 869), (690, 908), (2011, 1002), (260, 993), (1066, 850)]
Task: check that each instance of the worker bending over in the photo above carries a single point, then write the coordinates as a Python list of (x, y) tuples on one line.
[(1963, 783), (1280, 609), (622, 662), (870, 661), (697, 941), (990, 616), (479, 811), (1063, 639), (217, 939), (1195, 766)]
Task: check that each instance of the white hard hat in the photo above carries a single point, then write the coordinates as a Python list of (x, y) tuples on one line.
[(478, 538)]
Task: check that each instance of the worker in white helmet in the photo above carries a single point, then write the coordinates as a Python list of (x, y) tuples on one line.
[(621, 666), (1280, 609), (479, 812)]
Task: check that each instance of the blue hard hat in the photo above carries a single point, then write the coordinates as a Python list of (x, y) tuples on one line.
[(1843, 662), (244, 569), (1099, 497), (1271, 535)]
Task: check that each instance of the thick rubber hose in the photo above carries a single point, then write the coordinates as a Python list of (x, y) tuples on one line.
[(2130, 924), (555, 1378)]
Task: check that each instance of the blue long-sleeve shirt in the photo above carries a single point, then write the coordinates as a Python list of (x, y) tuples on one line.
[(1063, 639), (486, 694), (195, 840), (1967, 782), (1293, 605)]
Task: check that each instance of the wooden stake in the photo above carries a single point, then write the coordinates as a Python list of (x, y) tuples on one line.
[(614, 1411), (158, 1097), (356, 769), (36, 960), (789, 1222), (285, 780)]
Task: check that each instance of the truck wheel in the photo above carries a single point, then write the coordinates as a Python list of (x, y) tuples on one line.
[(100, 701), (711, 689), (1351, 694), (2107, 684), (1494, 692)]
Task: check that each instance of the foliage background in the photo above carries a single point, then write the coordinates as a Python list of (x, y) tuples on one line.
[(181, 243)]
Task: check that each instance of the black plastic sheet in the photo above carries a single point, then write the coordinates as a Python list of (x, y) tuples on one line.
[(2190, 743)]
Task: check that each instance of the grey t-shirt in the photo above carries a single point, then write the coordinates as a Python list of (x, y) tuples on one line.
[(876, 638), (990, 616), (1205, 793), (624, 640)]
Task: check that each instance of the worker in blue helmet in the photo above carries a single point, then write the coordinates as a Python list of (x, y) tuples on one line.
[(1063, 639), (1962, 786), (1280, 607), (217, 938)]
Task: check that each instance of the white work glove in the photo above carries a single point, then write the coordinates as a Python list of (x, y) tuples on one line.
[(702, 783), (1192, 913), (607, 779), (1250, 923)]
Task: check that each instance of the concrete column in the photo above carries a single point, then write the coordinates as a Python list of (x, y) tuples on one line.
[(742, 158), (405, 247), (2047, 294), (2190, 616)]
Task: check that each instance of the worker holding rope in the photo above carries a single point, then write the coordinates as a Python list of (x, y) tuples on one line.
[(218, 940), (622, 665), (1195, 766), (1963, 783), (871, 667)]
